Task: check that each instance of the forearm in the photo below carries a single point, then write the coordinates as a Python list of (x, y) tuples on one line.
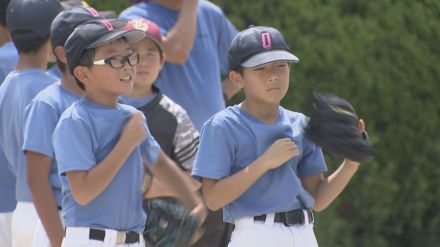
[(179, 41), (47, 209), (87, 185), (38, 170), (219, 193), (169, 173), (159, 188), (329, 188)]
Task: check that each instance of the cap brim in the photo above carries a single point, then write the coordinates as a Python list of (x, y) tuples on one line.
[(269, 56), (155, 41), (131, 36)]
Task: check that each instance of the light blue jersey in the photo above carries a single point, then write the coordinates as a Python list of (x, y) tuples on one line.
[(7, 186), (8, 59), (18, 89), (233, 139), (195, 84), (41, 117), (85, 135)]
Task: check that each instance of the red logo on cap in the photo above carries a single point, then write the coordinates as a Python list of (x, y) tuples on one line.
[(265, 40), (93, 11), (107, 25)]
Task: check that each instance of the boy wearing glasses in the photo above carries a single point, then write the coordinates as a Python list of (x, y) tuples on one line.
[(101, 145), (42, 114)]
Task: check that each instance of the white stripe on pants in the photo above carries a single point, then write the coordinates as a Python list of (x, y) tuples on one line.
[(79, 237), (24, 220), (250, 233), (5, 229)]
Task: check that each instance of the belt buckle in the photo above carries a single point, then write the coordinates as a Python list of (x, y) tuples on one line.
[(120, 237)]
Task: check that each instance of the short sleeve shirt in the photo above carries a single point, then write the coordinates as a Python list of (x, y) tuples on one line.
[(86, 133), (233, 139)]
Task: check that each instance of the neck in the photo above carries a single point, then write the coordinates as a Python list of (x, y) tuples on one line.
[(141, 92), (171, 4), (69, 83), (102, 99), (4, 36), (31, 60), (267, 113)]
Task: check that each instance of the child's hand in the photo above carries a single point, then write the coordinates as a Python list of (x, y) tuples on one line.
[(134, 132), (279, 152)]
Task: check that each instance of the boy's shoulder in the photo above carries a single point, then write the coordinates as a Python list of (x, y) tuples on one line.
[(48, 95), (171, 106), (226, 117)]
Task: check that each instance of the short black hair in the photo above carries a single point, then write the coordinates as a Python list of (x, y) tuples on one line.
[(3, 7), (28, 45), (85, 60), (238, 69)]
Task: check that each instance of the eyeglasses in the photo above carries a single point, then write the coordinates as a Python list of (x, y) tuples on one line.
[(119, 61)]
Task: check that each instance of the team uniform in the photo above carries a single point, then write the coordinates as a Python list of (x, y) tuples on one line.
[(85, 135), (41, 117), (170, 126), (195, 84), (8, 58), (18, 89), (233, 139)]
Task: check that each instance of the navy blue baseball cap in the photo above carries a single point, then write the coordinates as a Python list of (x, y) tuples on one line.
[(258, 45), (95, 33), (30, 19), (66, 21)]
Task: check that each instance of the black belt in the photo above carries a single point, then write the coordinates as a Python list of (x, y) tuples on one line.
[(122, 238), (294, 217)]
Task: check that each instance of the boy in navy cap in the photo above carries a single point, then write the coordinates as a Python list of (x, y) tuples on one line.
[(28, 22), (253, 159), (101, 145), (42, 114)]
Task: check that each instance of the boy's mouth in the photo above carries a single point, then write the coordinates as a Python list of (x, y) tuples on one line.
[(126, 79)]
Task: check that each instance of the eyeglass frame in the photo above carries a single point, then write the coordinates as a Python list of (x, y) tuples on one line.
[(125, 59)]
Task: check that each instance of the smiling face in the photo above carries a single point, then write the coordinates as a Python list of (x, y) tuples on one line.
[(105, 80), (150, 63), (267, 83)]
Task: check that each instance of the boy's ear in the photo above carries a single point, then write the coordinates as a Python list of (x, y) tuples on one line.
[(82, 73), (60, 54), (236, 78)]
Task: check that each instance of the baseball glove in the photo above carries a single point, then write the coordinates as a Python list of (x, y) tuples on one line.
[(333, 126), (169, 224)]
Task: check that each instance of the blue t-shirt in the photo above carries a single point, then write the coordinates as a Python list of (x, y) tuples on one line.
[(195, 84), (18, 89), (233, 139), (86, 133), (41, 117), (8, 59), (7, 186)]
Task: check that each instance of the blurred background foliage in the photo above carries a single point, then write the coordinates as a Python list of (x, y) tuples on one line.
[(382, 56)]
